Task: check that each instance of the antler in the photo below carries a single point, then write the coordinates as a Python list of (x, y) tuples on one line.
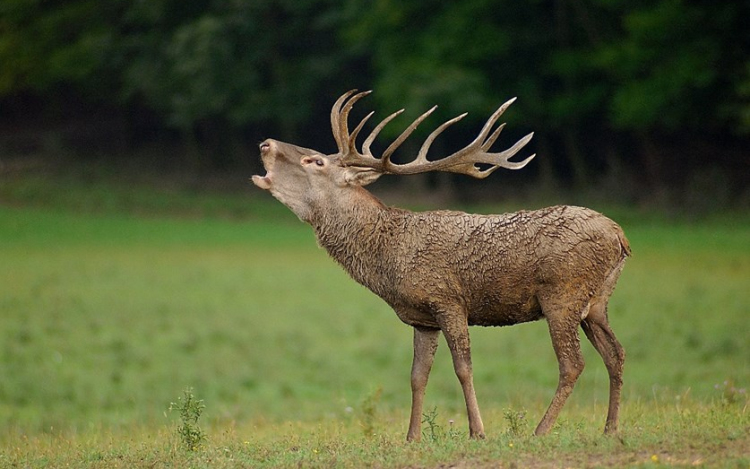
[(463, 161)]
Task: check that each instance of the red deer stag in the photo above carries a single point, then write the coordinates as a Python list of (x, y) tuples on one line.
[(447, 270)]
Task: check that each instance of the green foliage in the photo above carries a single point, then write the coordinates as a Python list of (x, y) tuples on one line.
[(44, 45), (190, 410), (238, 62), (665, 72), (640, 66)]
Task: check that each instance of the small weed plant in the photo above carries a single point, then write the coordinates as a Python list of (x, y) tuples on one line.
[(432, 432), (190, 409), (517, 423)]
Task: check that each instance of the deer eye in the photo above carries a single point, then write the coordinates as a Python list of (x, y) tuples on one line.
[(319, 162)]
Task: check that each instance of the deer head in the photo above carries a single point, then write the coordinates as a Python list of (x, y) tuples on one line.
[(300, 177)]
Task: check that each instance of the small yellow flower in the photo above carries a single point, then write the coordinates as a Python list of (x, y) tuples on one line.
[(654, 458), (510, 445)]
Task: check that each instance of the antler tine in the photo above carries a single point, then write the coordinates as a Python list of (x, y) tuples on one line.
[(355, 132), (510, 152), (344, 119), (491, 140), (371, 138), (404, 135), (487, 127), (491, 158), (422, 155), (495, 160), (336, 120)]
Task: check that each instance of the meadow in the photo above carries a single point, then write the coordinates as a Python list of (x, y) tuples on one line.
[(113, 301)]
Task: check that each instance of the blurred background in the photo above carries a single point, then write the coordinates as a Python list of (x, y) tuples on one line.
[(635, 102)]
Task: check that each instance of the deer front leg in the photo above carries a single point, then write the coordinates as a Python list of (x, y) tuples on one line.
[(425, 345), (456, 331)]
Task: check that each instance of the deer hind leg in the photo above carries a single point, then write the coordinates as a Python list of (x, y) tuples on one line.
[(425, 345), (456, 331), (597, 329), (563, 329)]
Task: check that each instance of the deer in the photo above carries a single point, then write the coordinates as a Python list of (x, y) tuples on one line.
[(443, 271)]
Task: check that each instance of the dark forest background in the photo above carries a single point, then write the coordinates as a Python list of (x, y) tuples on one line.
[(640, 102)]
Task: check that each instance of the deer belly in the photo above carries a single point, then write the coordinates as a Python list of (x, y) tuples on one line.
[(417, 317), (505, 314)]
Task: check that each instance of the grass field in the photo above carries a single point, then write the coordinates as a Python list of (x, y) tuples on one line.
[(108, 313)]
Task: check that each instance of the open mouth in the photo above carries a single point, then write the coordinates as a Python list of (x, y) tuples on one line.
[(264, 182)]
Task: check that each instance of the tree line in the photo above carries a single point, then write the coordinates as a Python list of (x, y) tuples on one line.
[(654, 92)]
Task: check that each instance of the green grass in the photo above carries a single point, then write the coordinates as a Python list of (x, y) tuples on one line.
[(107, 313), (684, 434)]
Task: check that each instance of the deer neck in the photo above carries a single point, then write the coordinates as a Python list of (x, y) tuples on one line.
[(350, 228)]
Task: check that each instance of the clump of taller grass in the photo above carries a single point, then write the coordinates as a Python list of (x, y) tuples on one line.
[(369, 411)]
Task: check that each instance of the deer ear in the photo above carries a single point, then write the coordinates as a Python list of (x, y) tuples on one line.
[(360, 176)]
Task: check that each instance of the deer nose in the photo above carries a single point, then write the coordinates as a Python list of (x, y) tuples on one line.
[(265, 146)]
